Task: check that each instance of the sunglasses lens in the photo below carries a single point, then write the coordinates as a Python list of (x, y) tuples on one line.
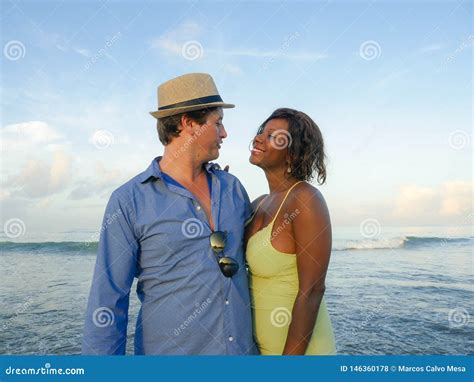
[(217, 240), (229, 266)]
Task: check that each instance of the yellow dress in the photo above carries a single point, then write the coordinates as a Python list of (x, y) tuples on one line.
[(273, 281)]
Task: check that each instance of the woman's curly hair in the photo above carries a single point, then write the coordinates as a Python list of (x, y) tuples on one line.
[(306, 146)]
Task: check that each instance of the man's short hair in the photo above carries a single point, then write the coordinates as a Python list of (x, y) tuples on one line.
[(169, 127)]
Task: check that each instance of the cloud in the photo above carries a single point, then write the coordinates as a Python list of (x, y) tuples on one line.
[(104, 181), (36, 163), (173, 41), (39, 178), (4, 194), (431, 48), (414, 201), (22, 136), (456, 198), (452, 199), (392, 77), (82, 51), (281, 53), (233, 69)]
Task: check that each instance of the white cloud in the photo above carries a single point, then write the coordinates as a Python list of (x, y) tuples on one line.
[(414, 201), (4, 194), (35, 158), (172, 41), (60, 170), (21, 136), (103, 183), (456, 198), (281, 53), (452, 199), (233, 69), (39, 178), (61, 48), (392, 77), (82, 51), (431, 48)]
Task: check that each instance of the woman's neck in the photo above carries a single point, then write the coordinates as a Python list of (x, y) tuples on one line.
[(279, 181)]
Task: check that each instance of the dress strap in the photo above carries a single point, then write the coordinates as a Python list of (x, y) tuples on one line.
[(283, 202)]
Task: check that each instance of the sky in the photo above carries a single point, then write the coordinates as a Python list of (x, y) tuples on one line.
[(389, 83)]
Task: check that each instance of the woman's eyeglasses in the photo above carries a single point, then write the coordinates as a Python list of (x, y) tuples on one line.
[(228, 265)]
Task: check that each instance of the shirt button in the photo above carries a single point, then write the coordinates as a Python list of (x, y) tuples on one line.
[(231, 338), (198, 207), (227, 302)]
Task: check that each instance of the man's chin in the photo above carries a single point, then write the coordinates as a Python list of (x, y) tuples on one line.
[(214, 155)]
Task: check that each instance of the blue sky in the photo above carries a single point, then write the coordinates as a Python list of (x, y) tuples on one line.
[(389, 84)]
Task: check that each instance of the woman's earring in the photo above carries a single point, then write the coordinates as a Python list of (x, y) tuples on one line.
[(288, 170)]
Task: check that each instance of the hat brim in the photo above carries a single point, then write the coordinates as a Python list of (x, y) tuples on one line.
[(169, 112)]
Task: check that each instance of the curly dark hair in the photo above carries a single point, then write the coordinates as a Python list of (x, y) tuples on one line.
[(306, 148), (168, 127)]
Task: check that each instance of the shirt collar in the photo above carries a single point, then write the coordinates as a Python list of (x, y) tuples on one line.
[(154, 171)]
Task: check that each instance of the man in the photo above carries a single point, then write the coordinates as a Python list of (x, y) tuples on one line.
[(177, 227)]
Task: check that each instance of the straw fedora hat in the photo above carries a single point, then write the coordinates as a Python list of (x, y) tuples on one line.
[(189, 92)]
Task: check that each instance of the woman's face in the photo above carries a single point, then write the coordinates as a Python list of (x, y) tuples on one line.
[(270, 147)]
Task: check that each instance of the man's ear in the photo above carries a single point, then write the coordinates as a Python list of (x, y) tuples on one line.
[(187, 124)]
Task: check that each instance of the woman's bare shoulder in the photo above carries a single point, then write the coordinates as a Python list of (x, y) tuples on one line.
[(307, 195), (258, 200)]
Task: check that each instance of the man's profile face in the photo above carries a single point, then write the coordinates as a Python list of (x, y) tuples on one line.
[(210, 136)]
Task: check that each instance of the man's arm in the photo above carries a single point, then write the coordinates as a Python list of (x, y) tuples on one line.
[(105, 330)]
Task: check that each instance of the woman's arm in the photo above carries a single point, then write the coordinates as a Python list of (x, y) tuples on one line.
[(313, 239)]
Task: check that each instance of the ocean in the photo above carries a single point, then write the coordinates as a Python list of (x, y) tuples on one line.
[(390, 290)]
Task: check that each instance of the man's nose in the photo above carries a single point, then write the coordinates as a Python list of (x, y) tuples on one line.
[(223, 132)]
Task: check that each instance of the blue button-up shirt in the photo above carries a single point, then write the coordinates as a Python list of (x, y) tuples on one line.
[(156, 231)]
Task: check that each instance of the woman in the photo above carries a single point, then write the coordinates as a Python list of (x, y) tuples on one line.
[(289, 239)]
